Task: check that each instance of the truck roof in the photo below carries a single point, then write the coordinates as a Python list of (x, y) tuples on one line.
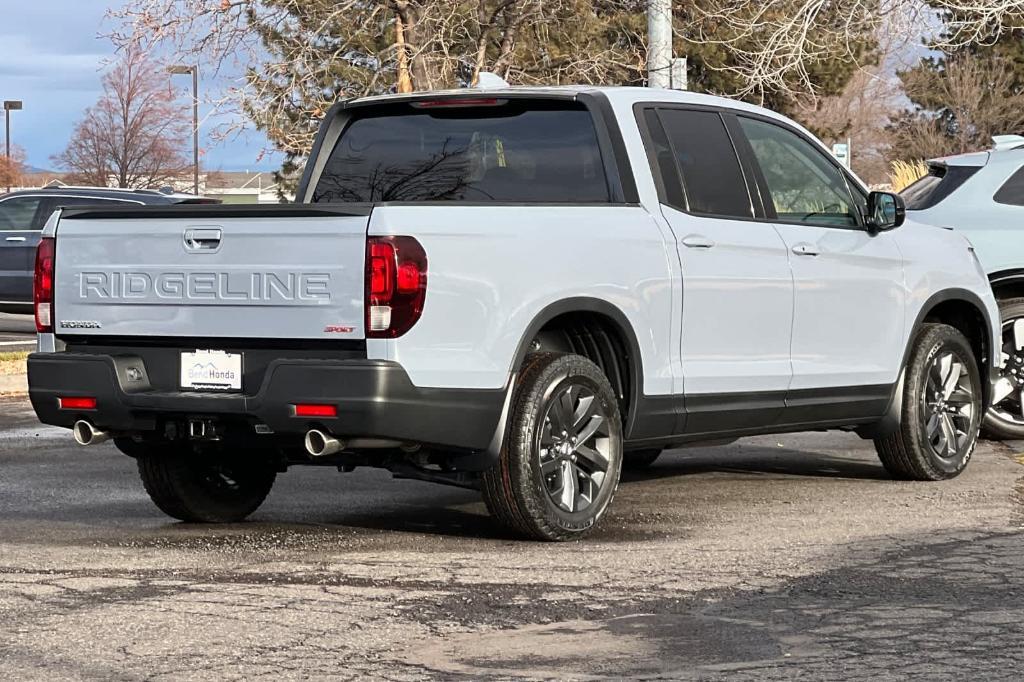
[(624, 95)]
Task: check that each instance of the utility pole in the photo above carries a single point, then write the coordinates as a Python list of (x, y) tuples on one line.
[(184, 69), (659, 43), (9, 106)]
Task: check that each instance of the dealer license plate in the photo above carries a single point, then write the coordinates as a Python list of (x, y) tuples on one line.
[(211, 370)]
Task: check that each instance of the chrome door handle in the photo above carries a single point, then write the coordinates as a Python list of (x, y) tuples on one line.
[(806, 250), (15, 239), (697, 241)]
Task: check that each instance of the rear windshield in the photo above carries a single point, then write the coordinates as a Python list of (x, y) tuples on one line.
[(940, 182), (508, 150)]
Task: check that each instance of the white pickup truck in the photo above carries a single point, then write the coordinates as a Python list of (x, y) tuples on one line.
[(516, 290)]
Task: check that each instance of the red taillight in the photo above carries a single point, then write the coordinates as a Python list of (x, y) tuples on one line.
[(459, 102), (396, 285), (381, 272), (77, 403), (42, 289), (315, 410)]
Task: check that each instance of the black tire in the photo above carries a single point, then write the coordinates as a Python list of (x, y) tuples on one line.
[(204, 487), (638, 460), (912, 452), (1005, 421), (520, 490)]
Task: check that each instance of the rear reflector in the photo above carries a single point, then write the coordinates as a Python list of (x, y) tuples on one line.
[(311, 410), (77, 403)]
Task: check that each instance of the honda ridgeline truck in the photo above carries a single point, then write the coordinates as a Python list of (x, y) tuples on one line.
[(516, 290)]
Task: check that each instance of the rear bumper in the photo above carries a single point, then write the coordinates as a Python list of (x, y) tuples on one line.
[(375, 399)]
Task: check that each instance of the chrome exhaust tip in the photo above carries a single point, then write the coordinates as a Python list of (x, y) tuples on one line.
[(87, 434), (320, 444)]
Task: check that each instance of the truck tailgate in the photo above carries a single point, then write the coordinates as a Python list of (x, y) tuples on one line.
[(282, 272)]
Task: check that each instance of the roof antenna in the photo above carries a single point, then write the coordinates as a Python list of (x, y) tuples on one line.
[(489, 81)]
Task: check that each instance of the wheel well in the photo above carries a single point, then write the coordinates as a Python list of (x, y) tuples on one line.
[(1007, 285), (966, 318), (600, 339)]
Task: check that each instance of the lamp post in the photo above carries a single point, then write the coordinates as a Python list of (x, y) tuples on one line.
[(183, 69), (9, 106)]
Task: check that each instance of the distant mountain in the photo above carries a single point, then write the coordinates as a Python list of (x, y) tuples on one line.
[(43, 171)]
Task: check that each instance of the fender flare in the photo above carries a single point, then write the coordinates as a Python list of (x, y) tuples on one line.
[(586, 304), (944, 296), (891, 420)]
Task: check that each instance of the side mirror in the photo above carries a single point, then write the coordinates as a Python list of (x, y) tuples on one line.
[(886, 211)]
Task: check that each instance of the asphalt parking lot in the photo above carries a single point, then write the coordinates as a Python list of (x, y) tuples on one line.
[(17, 332), (772, 558)]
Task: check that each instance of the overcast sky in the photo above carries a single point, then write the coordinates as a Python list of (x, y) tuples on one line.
[(52, 58)]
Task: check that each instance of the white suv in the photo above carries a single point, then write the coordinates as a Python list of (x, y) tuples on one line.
[(981, 195), (517, 290)]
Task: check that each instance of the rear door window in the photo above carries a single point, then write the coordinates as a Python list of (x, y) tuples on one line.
[(1012, 191), (54, 202), (19, 214), (940, 182), (503, 151), (713, 183)]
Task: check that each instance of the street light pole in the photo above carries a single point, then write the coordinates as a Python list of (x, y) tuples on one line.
[(9, 106), (183, 69), (659, 43)]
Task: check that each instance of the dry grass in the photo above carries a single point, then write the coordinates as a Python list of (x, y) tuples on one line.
[(902, 174), (12, 363)]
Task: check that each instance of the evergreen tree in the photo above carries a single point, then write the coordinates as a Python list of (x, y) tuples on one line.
[(962, 97), (327, 50)]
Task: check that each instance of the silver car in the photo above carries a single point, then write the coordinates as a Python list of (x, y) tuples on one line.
[(982, 195), (23, 214)]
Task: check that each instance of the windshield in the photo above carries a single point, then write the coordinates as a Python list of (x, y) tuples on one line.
[(507, 150)]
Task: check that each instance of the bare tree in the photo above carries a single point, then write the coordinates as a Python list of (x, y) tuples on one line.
[(773, 46), (136, 132), (12, 170)]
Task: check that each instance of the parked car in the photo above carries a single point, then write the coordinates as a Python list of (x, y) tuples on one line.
[(517, 290), (981, 195), (22, 216)]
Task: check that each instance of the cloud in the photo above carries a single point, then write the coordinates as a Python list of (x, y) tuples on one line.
[(54, 56)]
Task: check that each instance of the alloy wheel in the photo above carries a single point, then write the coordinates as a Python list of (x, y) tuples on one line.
[(1008, 393), (574, 448), (948, 405)]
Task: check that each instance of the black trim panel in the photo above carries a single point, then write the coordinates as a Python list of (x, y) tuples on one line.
[(732, 415), (715, 412), (617, 166), (375, 399)]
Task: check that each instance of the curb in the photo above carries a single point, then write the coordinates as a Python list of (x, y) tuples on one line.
[(14, 384)]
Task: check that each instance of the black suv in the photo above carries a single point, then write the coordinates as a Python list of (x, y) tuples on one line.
[(23, 214)]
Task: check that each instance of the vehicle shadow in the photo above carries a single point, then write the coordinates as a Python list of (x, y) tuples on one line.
[(758, 461)]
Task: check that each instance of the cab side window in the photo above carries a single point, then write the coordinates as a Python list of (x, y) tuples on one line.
[(19, 214), (713, 182), (804, 186)]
